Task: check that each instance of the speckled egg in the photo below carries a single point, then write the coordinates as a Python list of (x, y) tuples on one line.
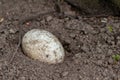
[(43, 46)]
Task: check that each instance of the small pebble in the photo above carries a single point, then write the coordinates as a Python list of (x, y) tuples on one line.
[(78, 55), (0, 3), (118, 37), (12, 31), (28, 23), (67, 19), (104, 20), (0, 66), (49, 18), (42, 21), (1, 20), (22, 78), (72, 35), (64, 74), (110, 61)]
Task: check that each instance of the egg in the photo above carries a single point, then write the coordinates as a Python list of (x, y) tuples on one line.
[(43, 46)]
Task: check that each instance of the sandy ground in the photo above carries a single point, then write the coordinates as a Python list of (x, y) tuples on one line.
[(88, 42)]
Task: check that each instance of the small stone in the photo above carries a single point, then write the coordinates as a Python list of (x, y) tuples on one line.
[(22, 78), (42, 21), (118, 37), (110, 51), (104, 20), (0, 3), (99, 50), (12, 31), (67, 19), (72, 35), (78, 55), (28, 23), (49, 18), (85, 48), (71, 13), (110, 61), (118, 43), (64, 74), (0, 66), (1, 20)]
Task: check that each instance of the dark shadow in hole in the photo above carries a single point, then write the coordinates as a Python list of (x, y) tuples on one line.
[(47, 56), (66, 46)]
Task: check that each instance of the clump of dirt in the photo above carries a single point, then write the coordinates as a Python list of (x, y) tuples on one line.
[(88, 43)]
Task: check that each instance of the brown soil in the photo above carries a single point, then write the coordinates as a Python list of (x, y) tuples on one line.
[(88, 42)]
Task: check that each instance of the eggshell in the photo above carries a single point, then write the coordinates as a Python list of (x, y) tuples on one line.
[(43, 46)]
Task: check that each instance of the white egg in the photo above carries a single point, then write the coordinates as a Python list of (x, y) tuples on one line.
[(43, 46)]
